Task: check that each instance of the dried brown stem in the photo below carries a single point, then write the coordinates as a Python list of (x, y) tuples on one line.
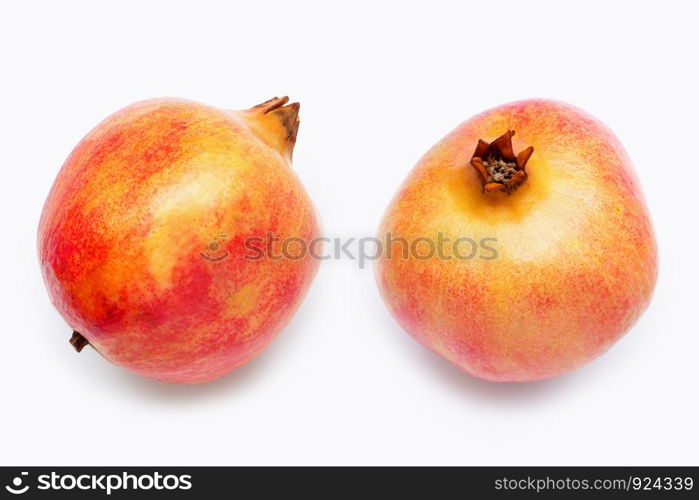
[(78, 341)]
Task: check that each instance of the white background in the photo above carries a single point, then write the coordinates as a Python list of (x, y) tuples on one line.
[(379, 84)]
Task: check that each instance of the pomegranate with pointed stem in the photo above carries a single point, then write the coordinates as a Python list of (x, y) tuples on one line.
[(142, 240), (555, 195)]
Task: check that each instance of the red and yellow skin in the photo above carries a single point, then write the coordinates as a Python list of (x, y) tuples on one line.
[(577, 259), (142, 238)]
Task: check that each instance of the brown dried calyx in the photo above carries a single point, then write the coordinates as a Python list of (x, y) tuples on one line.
[(497, 166), (287, 114)]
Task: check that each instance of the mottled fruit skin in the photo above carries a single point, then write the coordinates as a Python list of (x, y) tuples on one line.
[(576, 255), (142, 238)]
